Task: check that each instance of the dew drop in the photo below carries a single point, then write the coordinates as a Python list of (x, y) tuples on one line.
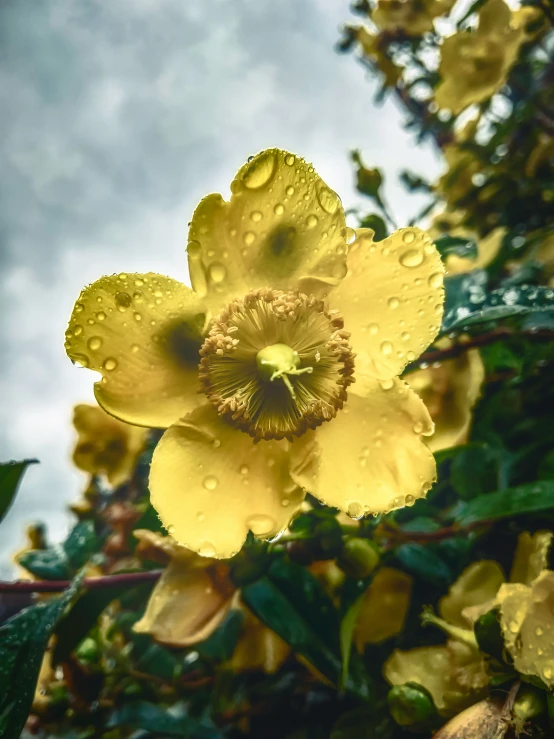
[(211, 482), (194, 249), (122, 276), (249, 238), (260, 171), (355, 509), (206, 549), (311, 221), (373, 328), (123, 300), (408, 237), (339, 270), (547, 672), (538, 631), (139, 282), (94, 343), (100, 316), (405, 336), (217, 272), (200, 516), (110, 364), (137, 317), (290, 159), (409, 500), (81, 360), (135, 348), (261, 524), (387, 384), (393, 303), (79, 308), (256, 216), (411, 258), (328, 199), (387, 348), (290, 190), (279, 209), (514, 627), (77, 330), (418, 427), (435, 280)]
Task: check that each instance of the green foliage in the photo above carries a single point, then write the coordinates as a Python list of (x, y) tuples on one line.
[(11, 474), (23, 640), (62, 562)]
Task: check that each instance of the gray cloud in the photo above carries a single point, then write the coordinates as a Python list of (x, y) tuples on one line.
[(118, 118)]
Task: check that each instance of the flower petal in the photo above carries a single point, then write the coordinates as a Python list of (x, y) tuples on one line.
[(371, 457), (450, 392), (258, 647), (384, 607), (391, 298), (531, 556), (106, 445), (282, 224), (185, 606), (210, 484), (478, 584), (143, 333)]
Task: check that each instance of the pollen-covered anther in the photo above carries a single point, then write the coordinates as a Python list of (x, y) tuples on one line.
[(276, 364)]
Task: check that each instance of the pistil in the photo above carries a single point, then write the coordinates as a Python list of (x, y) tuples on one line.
[(277, 362)]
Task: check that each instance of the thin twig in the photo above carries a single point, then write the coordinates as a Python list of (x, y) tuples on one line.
[(127, 579), (499, 334)]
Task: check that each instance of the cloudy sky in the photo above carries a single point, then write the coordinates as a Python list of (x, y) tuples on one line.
[(117, 118)]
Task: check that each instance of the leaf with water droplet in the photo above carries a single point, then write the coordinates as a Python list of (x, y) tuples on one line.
[(11, 474)]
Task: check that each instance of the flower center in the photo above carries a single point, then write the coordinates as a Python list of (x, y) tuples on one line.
[(275, 364)]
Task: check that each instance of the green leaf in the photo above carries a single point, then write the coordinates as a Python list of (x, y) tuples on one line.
[(479, 307), (474, 471), (292, 602), (424, 563), (160, 721), (11, 474), (347, 626), (60, 562), (377, 224), (76, 624), (221, 644), (457, 245), (23, 640), (530, 498)]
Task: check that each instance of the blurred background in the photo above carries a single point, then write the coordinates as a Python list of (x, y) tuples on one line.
[(118, 118)]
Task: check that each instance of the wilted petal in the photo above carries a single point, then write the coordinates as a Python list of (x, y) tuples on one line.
[(478, 584), (384, 608), (531, 556)]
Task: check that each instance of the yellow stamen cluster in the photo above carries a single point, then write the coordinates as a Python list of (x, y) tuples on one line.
[(277, 363)]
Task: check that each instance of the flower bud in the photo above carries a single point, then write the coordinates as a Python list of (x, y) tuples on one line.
[(410, 704), (358, 558)]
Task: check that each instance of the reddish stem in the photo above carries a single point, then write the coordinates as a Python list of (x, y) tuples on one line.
[(127, 579)]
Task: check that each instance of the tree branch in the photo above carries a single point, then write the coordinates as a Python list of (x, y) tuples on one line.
[(127, 579)]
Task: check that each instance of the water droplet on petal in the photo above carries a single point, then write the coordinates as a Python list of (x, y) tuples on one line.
[(547, 672), (261, 524), (408, 237), (279, 209), (387, 384), (244, 470), (514, 627), (393, 303), (110, 364), (217, 272), (418, 427), (373, 328), (328, 199), (123, 301), (77, 330), (256, 216), (80, 359), (135, 348), (290, 159), (94, 343), (194, 249), (435, 280), (249, 238), (211, 482), (387, 348), (79, 308), (206, 549), (405, 336), (355, 509), (260, 171), (290, 190), (311, 221), (100, 316), (139, 282), (538, 631), (200, 516), (411, 258)]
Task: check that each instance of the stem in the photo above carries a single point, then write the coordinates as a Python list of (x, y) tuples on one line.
[(127, 579), (441, 355)]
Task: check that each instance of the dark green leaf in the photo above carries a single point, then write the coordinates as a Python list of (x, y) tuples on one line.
[(474, 471), (23, 640), (531, 498), (160, 722), (11, 474), (377, 224), (457, 245), (473, 8), (480, 307), (74, 626), (424, 563), (221, 644), (291, 602), (60, 562)]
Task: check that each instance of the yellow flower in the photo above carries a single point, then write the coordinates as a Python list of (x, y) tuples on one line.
[(192, 598), (450, 391), (372, 50), (413, 17), (474, 64), (455, 673), (105, 445), (275, 359), (384, 607)]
